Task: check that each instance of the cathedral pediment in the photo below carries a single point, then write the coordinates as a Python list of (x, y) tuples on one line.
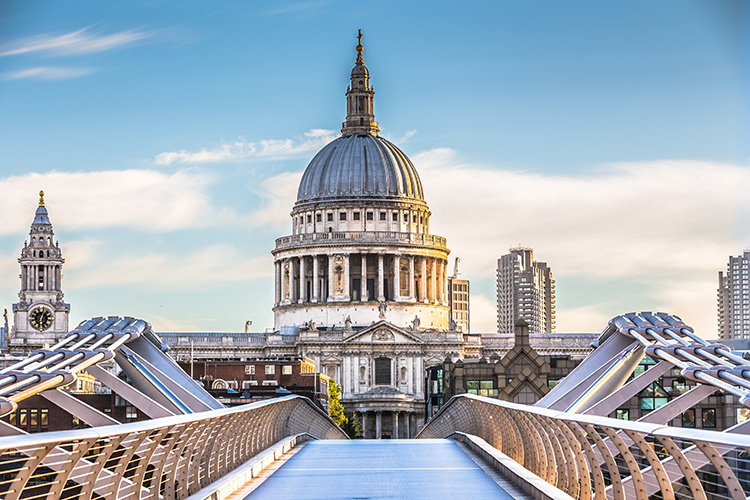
[(383, 332)]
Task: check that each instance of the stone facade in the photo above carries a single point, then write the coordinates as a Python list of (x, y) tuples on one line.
[(40, 316)]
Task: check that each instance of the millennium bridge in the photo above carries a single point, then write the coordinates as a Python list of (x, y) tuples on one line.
[(562, 447)]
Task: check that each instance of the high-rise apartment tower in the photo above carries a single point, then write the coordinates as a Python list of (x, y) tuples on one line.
[(733, 301), (525, 289)]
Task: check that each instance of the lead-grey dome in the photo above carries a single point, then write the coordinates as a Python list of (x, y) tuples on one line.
[(360, 166)]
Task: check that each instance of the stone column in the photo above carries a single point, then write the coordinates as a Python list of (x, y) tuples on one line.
[(289, 279), (411, 278), (434, 281), (406, 422), (423, 297), (330, 278), (277, 283), (381, 296), (378, 424), (395, 425), (347, 277), (363, 280), (316, 279), (302, 281), (396, 277), (363, 418)]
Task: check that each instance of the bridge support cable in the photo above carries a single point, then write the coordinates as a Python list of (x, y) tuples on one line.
[(604, 457)]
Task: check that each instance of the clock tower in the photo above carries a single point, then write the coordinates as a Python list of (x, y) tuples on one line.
[(40, 316)]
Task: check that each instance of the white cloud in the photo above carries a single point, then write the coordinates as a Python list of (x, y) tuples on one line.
[(267, 149), (143, 199), (47, 73), (205, 268), (278, 194), (655, 225), (83, 41), (483, 313)]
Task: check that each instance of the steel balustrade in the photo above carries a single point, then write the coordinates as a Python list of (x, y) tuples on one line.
[(591, 457), (171, 457)]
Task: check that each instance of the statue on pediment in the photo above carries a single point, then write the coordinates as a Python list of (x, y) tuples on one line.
[(382, 307), (348, 323), (415, 323)]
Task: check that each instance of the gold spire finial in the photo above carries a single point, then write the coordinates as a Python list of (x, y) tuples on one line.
[(360, 61), (41, 198)]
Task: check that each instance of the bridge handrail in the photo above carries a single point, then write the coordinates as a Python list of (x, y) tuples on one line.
[(624, 459), (173, 456)]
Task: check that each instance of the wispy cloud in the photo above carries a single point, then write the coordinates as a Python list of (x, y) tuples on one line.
[(83, 41), (271, 148), (142, 199), (47, 73)]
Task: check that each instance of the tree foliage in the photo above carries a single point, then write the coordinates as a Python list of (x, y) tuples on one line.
[(335, 408), (352, 425)]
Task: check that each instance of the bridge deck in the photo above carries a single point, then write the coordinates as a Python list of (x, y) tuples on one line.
[(432, 469)]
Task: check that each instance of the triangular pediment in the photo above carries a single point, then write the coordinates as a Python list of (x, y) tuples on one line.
[(383, 332)]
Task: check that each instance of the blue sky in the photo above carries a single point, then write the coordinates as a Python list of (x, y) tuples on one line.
[(169, 138)]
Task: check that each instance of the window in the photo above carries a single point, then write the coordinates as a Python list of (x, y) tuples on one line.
[(33, 420), (286, 370), (653, 397), (318, 217), (688, 418), (131, 414), (249, 369), (309, 218), (355, 216), (369, 216), (382, 215), (622, 414), (330, 217), (708, 418), (270, 369), (481, 388), (395, 216), (382, 371), (342, 215)]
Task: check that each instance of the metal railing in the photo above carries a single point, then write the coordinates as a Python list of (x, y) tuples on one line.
[(339, 237), (171, 457), (590, 457)]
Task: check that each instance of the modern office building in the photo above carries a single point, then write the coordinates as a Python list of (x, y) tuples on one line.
[(733, 300), (525, 289), (458, 301)]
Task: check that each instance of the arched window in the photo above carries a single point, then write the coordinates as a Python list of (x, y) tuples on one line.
[(382, 371), (362, 374), (403, 375)]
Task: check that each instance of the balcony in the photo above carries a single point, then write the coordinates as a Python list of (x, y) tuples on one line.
[(359, 237)]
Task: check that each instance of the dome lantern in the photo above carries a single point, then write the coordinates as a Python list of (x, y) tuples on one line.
[(360, 114)]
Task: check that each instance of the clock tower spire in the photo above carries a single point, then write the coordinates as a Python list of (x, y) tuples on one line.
[(40, 316)]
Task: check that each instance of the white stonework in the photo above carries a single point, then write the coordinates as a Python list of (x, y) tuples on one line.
[(40, 316)]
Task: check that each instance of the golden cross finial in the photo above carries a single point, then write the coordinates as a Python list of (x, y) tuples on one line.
[(41, 198), (360, 62)]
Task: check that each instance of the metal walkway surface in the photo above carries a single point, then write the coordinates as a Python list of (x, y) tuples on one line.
[(431, 469)]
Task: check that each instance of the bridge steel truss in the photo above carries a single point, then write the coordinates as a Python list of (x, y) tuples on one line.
[(567, 440), (170, 457)]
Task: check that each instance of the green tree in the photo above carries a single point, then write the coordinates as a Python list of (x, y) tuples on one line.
[(353, 427), (335, 409)]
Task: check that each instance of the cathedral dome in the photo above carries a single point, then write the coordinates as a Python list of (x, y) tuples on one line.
[(360, 166)]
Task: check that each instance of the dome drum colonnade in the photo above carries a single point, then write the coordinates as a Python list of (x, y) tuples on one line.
[(360, 233)]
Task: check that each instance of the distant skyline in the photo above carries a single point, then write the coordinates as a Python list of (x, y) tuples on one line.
[(170, 138)]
